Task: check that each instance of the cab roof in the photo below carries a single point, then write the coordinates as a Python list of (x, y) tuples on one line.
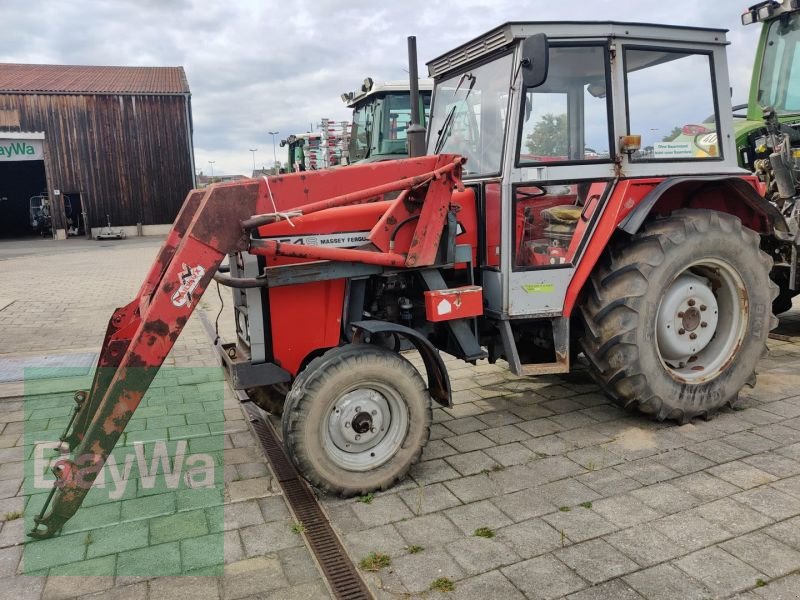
[(505, 35), (389, 86)]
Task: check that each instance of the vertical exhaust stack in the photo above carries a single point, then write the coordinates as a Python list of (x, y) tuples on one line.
[(415, 132)]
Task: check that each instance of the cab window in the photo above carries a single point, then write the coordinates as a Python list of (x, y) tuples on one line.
[(779, 85), (566, 119), (675, 115)]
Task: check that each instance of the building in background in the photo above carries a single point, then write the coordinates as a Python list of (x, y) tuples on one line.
[(93, 145)]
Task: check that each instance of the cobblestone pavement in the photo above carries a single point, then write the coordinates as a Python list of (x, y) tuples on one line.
[(60, 301), (572, 497)]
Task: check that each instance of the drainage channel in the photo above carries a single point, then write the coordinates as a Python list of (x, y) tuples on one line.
[(344, 580), (342, 576)]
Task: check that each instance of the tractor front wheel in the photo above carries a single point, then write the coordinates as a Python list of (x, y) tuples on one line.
[(677, 318), (356, 419)]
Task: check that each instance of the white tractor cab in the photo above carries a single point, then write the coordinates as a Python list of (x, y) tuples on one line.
[(381, 116)]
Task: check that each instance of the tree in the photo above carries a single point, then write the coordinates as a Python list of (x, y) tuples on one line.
[(549, 136), (676, 131)]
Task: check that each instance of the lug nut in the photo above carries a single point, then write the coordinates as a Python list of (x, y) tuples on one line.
[(681, 331), (374, 412), (347, 424), (358, 409), (691, 302), (703, 307), (358, 437), (693, 336), (703, 324)]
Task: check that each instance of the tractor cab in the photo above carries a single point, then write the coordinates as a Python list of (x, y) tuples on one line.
[(381, 116), (551, 117), (776, 72)]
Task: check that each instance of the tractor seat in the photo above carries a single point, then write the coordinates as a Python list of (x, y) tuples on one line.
[(567, 214)]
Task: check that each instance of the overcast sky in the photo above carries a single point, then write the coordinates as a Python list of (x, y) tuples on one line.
[(261, 65)]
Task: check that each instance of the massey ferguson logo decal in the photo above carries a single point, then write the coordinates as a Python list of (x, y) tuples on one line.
[(190, 278)]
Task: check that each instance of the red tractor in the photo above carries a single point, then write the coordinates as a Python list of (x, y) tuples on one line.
[(549, 218)]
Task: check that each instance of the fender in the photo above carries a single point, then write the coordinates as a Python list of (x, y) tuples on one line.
[(767, 217), (632, 200), (438, 379)]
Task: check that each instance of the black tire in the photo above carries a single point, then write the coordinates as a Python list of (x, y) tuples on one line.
[(322, 386), (624, 298)]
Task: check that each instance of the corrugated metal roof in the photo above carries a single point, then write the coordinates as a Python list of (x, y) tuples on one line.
[(79, 79)]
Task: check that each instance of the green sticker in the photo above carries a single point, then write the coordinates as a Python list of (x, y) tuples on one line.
[(539, 288)]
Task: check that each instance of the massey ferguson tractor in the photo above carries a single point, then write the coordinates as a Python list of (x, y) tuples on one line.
[(546, 220)]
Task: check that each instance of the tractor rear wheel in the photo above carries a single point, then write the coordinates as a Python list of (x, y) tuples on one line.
[(676, 318), (356, 419)]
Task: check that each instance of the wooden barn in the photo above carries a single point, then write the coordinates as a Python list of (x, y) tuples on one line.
[(92, 145)]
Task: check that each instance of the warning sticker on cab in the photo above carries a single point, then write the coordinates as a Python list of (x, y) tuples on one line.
[(539, 288), (672, 150), (348, 239)]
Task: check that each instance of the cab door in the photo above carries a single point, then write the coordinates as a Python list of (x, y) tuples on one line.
[(561, 169)]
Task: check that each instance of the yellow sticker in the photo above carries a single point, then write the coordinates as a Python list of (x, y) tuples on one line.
[(539, 288)]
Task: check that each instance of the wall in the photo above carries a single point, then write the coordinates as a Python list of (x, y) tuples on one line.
[(129, 156)]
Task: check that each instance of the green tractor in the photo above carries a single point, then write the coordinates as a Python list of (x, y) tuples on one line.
[(381, 117), (768, 134)]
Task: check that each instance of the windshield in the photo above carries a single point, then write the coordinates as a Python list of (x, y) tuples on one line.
[(779, 85), (396, 118), (469, 114)]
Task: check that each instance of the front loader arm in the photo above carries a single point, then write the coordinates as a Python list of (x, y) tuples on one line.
[(212, 224), (142, 333)]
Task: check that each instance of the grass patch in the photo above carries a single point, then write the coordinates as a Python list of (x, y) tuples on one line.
[(298, 528), (414, 549), (564, 508), (484, 532), (12, 516), (366, 499), (88, 539), (760, 582), (586, 504), (443, 584), (375, 561)]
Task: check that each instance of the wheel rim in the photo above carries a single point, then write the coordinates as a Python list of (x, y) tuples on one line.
[(365, 427), (701, 321)]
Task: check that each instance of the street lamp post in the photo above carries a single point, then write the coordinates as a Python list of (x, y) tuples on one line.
[(274, 154), (254, 150), (211, 162)]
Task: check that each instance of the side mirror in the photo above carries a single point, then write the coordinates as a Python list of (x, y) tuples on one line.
[(535, 60)]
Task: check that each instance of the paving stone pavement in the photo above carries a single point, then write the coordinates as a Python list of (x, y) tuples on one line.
[(575, 498), (62, 298)]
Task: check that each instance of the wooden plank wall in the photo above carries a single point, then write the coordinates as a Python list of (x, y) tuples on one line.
[(129, 156)]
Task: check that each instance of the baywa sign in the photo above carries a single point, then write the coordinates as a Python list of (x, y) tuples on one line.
[(14, 150)]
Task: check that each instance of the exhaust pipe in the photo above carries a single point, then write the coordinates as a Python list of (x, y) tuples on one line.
[(415, 132)]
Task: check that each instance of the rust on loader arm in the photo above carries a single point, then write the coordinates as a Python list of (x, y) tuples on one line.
[(141, 334)]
